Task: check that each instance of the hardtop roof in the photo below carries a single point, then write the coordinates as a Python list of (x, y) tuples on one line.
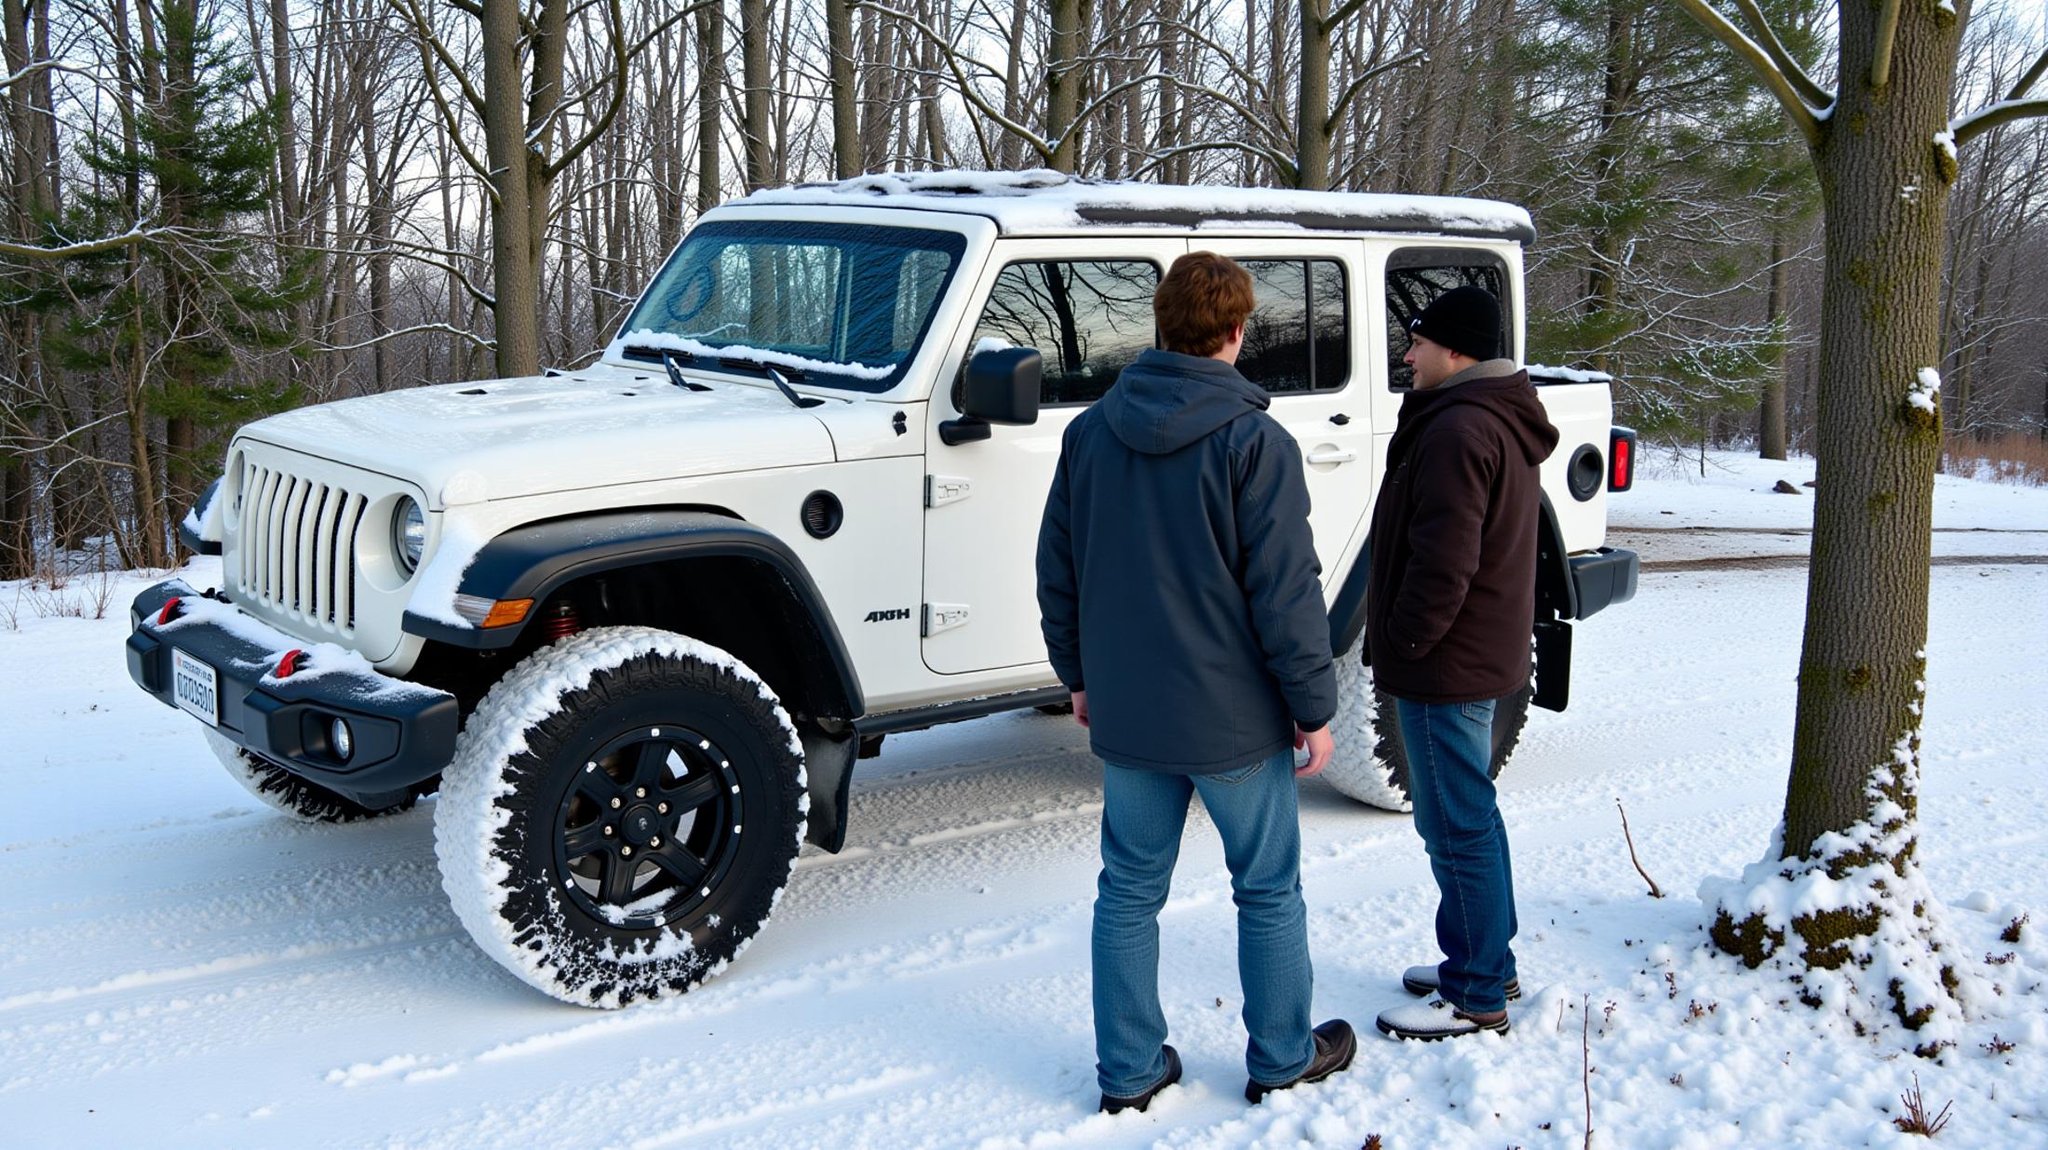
[(1041, 200)]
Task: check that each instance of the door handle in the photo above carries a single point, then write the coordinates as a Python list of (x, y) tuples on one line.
[(1332, 455)]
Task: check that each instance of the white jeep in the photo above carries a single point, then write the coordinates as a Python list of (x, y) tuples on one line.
[(636, 622)]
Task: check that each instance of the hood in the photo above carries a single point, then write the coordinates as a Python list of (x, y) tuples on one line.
[(531, 436), (1509, 397), (1165, 400)]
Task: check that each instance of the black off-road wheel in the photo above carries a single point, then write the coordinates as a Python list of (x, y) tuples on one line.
[(283, 791), (622, 813), (1371, 764)]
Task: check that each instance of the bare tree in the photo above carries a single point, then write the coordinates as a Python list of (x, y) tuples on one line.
[(523, 109)]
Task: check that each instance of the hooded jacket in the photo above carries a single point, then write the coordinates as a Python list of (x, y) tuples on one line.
[(1452, 597), (1177, 578)]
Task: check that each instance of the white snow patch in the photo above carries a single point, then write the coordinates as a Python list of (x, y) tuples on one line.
[(319, 659), (434, 587), (1568, 374), (661, 340), (1926, 391), (1039, 199)]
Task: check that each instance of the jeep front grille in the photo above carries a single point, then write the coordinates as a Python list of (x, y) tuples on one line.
[(298, 544)]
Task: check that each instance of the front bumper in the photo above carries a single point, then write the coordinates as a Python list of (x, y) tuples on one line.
[(403, 733)]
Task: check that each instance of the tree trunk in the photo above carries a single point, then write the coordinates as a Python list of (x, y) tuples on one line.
[(1771, 408), (710, 104), (1312, 100), (1063, 80), (1885, 197), (760, 144), (1851, 801), (930, 109), (515, 271), (34, 201), (1172, 133), (1603, 281), (846, 157), (1010, 151)]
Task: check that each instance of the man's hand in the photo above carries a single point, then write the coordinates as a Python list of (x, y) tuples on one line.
[(1320, 746), (1081, 707)]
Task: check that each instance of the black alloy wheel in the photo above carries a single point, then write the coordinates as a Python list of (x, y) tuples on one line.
[(649, 826)]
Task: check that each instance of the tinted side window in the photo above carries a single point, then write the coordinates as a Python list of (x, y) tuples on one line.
[(1415, 277), (1297, 339), (1088, 318)]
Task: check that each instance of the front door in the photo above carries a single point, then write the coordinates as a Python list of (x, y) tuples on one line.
[(1087, 307)]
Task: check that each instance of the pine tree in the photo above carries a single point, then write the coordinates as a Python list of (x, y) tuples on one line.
[(184, 319)]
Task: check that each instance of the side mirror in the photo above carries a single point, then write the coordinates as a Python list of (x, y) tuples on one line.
[(1001, 387)]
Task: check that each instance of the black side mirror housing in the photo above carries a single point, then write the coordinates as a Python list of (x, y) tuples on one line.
[(1001, 387)]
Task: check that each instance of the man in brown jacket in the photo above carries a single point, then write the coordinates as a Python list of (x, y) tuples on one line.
[(1450, 608)]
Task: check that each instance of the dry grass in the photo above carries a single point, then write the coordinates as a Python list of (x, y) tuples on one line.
[(2008, 459), (1916, 1119)]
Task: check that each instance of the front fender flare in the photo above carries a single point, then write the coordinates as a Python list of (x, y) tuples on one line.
[(533, 561)]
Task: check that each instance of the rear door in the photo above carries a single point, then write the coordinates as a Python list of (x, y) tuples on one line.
[(1305, 345)]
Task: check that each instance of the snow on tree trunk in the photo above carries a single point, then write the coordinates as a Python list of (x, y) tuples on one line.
[(1840, 903)]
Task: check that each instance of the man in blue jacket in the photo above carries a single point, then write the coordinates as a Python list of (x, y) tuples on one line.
[(1177, 582)]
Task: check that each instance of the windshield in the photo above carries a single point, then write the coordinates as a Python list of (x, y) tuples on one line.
[(844, 305)]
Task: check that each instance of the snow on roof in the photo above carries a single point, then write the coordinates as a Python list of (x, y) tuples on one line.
[(1045, 200)]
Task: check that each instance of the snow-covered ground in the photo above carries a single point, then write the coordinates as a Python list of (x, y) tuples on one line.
[(180, 967)]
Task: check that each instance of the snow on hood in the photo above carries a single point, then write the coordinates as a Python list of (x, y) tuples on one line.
[(537, 435)]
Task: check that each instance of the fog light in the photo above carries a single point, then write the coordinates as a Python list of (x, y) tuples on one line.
[(339, 737)]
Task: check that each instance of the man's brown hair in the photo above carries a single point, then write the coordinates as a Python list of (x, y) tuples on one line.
[(1203, 298)]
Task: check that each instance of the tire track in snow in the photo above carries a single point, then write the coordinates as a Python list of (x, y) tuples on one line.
[(1772, 562), (213, 968)]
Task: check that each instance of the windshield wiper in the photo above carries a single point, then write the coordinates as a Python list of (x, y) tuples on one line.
[(782, 382), (668, 360)]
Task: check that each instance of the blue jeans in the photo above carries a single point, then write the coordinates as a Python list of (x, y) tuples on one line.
[(1450, 746), (1142, 815)]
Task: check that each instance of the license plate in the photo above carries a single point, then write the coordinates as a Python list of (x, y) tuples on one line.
[(196, 687)]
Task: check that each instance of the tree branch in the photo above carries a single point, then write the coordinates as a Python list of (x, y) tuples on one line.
[(2032, 74), (432, 43), (1344, 12), (1804, 116), (968, 91), (622, 63), (1997, 115), (1881, 50), (1114, 91), (129, 238), (1351, 90), (1250, 117), (443, 328), (430, 47), (1809, 89), (1284, 163)]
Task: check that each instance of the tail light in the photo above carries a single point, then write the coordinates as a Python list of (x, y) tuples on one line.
[(1621, 458)]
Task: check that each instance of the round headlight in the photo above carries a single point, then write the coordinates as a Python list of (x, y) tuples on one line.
[(408, 533), (341, 739)]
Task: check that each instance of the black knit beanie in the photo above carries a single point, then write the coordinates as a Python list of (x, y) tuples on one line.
[(1464, 319)]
